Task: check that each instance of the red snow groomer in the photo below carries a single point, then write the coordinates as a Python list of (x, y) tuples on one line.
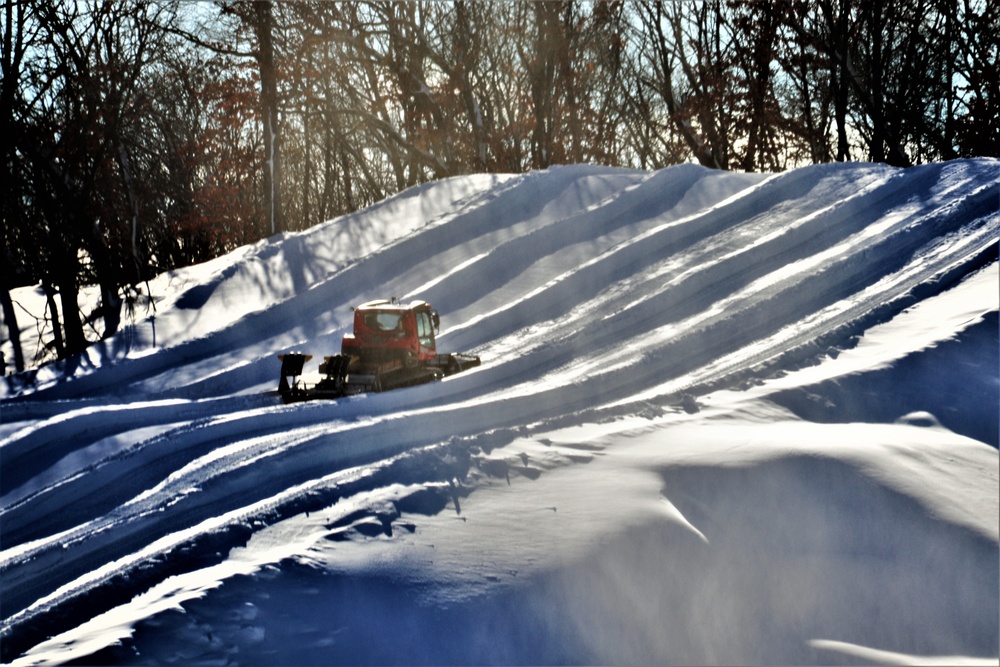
[(392, 346)]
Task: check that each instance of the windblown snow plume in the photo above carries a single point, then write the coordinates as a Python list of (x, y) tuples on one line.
[(721, 418)]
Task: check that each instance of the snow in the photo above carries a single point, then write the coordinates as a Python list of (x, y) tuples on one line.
[(721, 418)]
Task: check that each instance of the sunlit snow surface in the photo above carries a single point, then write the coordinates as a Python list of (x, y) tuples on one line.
[(721, 419)]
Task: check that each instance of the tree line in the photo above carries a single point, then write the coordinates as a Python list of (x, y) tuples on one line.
[(140, 136)]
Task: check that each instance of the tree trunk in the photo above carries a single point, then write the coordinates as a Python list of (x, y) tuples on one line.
[(107, 277), (307, 169), (542, 76), (840, 112), (72, 324), (53, 308), (472, 110), (876, 75), (13, 331), (269, 117), (345, 170), (568, 76), (841, 89)]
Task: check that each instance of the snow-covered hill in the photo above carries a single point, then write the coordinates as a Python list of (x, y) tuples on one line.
[(721, 418)]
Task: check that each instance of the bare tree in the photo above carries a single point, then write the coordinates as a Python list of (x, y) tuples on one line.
[(270, 117), (70, 110)]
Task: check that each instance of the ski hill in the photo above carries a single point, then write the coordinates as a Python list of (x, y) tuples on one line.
[(720, 418)]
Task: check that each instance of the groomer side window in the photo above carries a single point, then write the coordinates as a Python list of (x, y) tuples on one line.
[(425, 330)]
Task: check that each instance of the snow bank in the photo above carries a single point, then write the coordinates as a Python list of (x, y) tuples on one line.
[(630, 477)]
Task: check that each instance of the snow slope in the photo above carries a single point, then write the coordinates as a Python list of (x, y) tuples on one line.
[(722, 418)]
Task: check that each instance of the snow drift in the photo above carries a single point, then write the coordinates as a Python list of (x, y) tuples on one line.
[(722, 418)]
